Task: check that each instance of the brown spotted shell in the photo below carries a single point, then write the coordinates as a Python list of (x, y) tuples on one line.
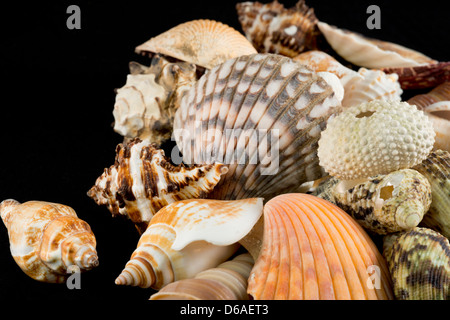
[(202, 42), (142, 181), (272, 28), (262, 115)]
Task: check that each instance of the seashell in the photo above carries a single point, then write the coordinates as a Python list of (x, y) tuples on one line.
[(187, 237), (420, 77), (271, 28), (359, 87), (371, 53), (436, 168), (373, 138), (382, 204), (419, 263), (220, 283), (436, 105), (47, 240), (261, 115), (146, 104), (314, 250), (205, 43), (142, 181)]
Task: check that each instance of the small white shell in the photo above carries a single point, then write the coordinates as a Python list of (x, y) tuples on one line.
[(371, 53)]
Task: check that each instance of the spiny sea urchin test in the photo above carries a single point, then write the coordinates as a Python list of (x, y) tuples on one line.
[(373, 138)]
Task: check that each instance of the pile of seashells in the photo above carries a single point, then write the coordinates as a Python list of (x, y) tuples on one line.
[(298, 155)]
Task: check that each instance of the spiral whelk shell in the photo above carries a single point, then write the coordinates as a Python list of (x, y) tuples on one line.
[(261, 115), (47, 240), (314, 250), (203, 42), (142, 181), (271, 28), (187, 237), (146, 104), (373, 138), (419, 262)]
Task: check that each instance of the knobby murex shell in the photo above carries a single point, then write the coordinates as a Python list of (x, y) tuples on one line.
[(271, 28), (261, 115), (146, 104), (187, 237), (142, 181), (47, 240)]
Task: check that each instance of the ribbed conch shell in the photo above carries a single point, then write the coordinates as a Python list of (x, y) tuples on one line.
[(262, 116), (314, 250), (142, 181), (420, 77), (373, 138), (436, 168), (146, 104), (419, 262), (362, 86), (228, 281), (187, 237), (436, 105), (382, 204), (205, 43), (271, 28), (371, 53), (47, 240)]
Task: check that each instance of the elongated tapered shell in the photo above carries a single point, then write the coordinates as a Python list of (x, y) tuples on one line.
[(145, 105), (47, 240), (383, 203), (314, 250), (228, 281), (419, 262), (271, 28), (420, 77), (371, 53), (142, 181), (261, 115), (436, 168), (187, 237), (203, 42)]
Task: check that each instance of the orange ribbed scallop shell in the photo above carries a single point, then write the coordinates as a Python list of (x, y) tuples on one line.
[(314, 250)]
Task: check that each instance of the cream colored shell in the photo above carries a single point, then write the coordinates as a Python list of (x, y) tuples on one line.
[(203, 42), (373, 138)]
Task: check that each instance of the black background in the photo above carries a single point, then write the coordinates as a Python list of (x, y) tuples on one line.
[(58, 96)]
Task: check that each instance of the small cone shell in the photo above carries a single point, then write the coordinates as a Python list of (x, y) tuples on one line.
[(419, 262), (47, 240), (314, 250), (203, 42), (187, 237)]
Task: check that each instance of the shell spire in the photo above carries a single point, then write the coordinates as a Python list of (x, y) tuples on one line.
[(142, 181), (48, 239), (187, 237)]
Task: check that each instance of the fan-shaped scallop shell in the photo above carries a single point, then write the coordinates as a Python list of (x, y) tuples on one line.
[(47, 240), (187, 237), (203, 42), (262, 115), (142, 181), (371, 53), (314, 250), (419, 262), (271, 28)]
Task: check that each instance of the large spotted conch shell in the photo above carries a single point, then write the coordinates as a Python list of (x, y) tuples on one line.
[(146, 104), (261, 115), (371, 53), (312, 249), (205, 43), (47, 240), (188, 237), (142, 181)]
